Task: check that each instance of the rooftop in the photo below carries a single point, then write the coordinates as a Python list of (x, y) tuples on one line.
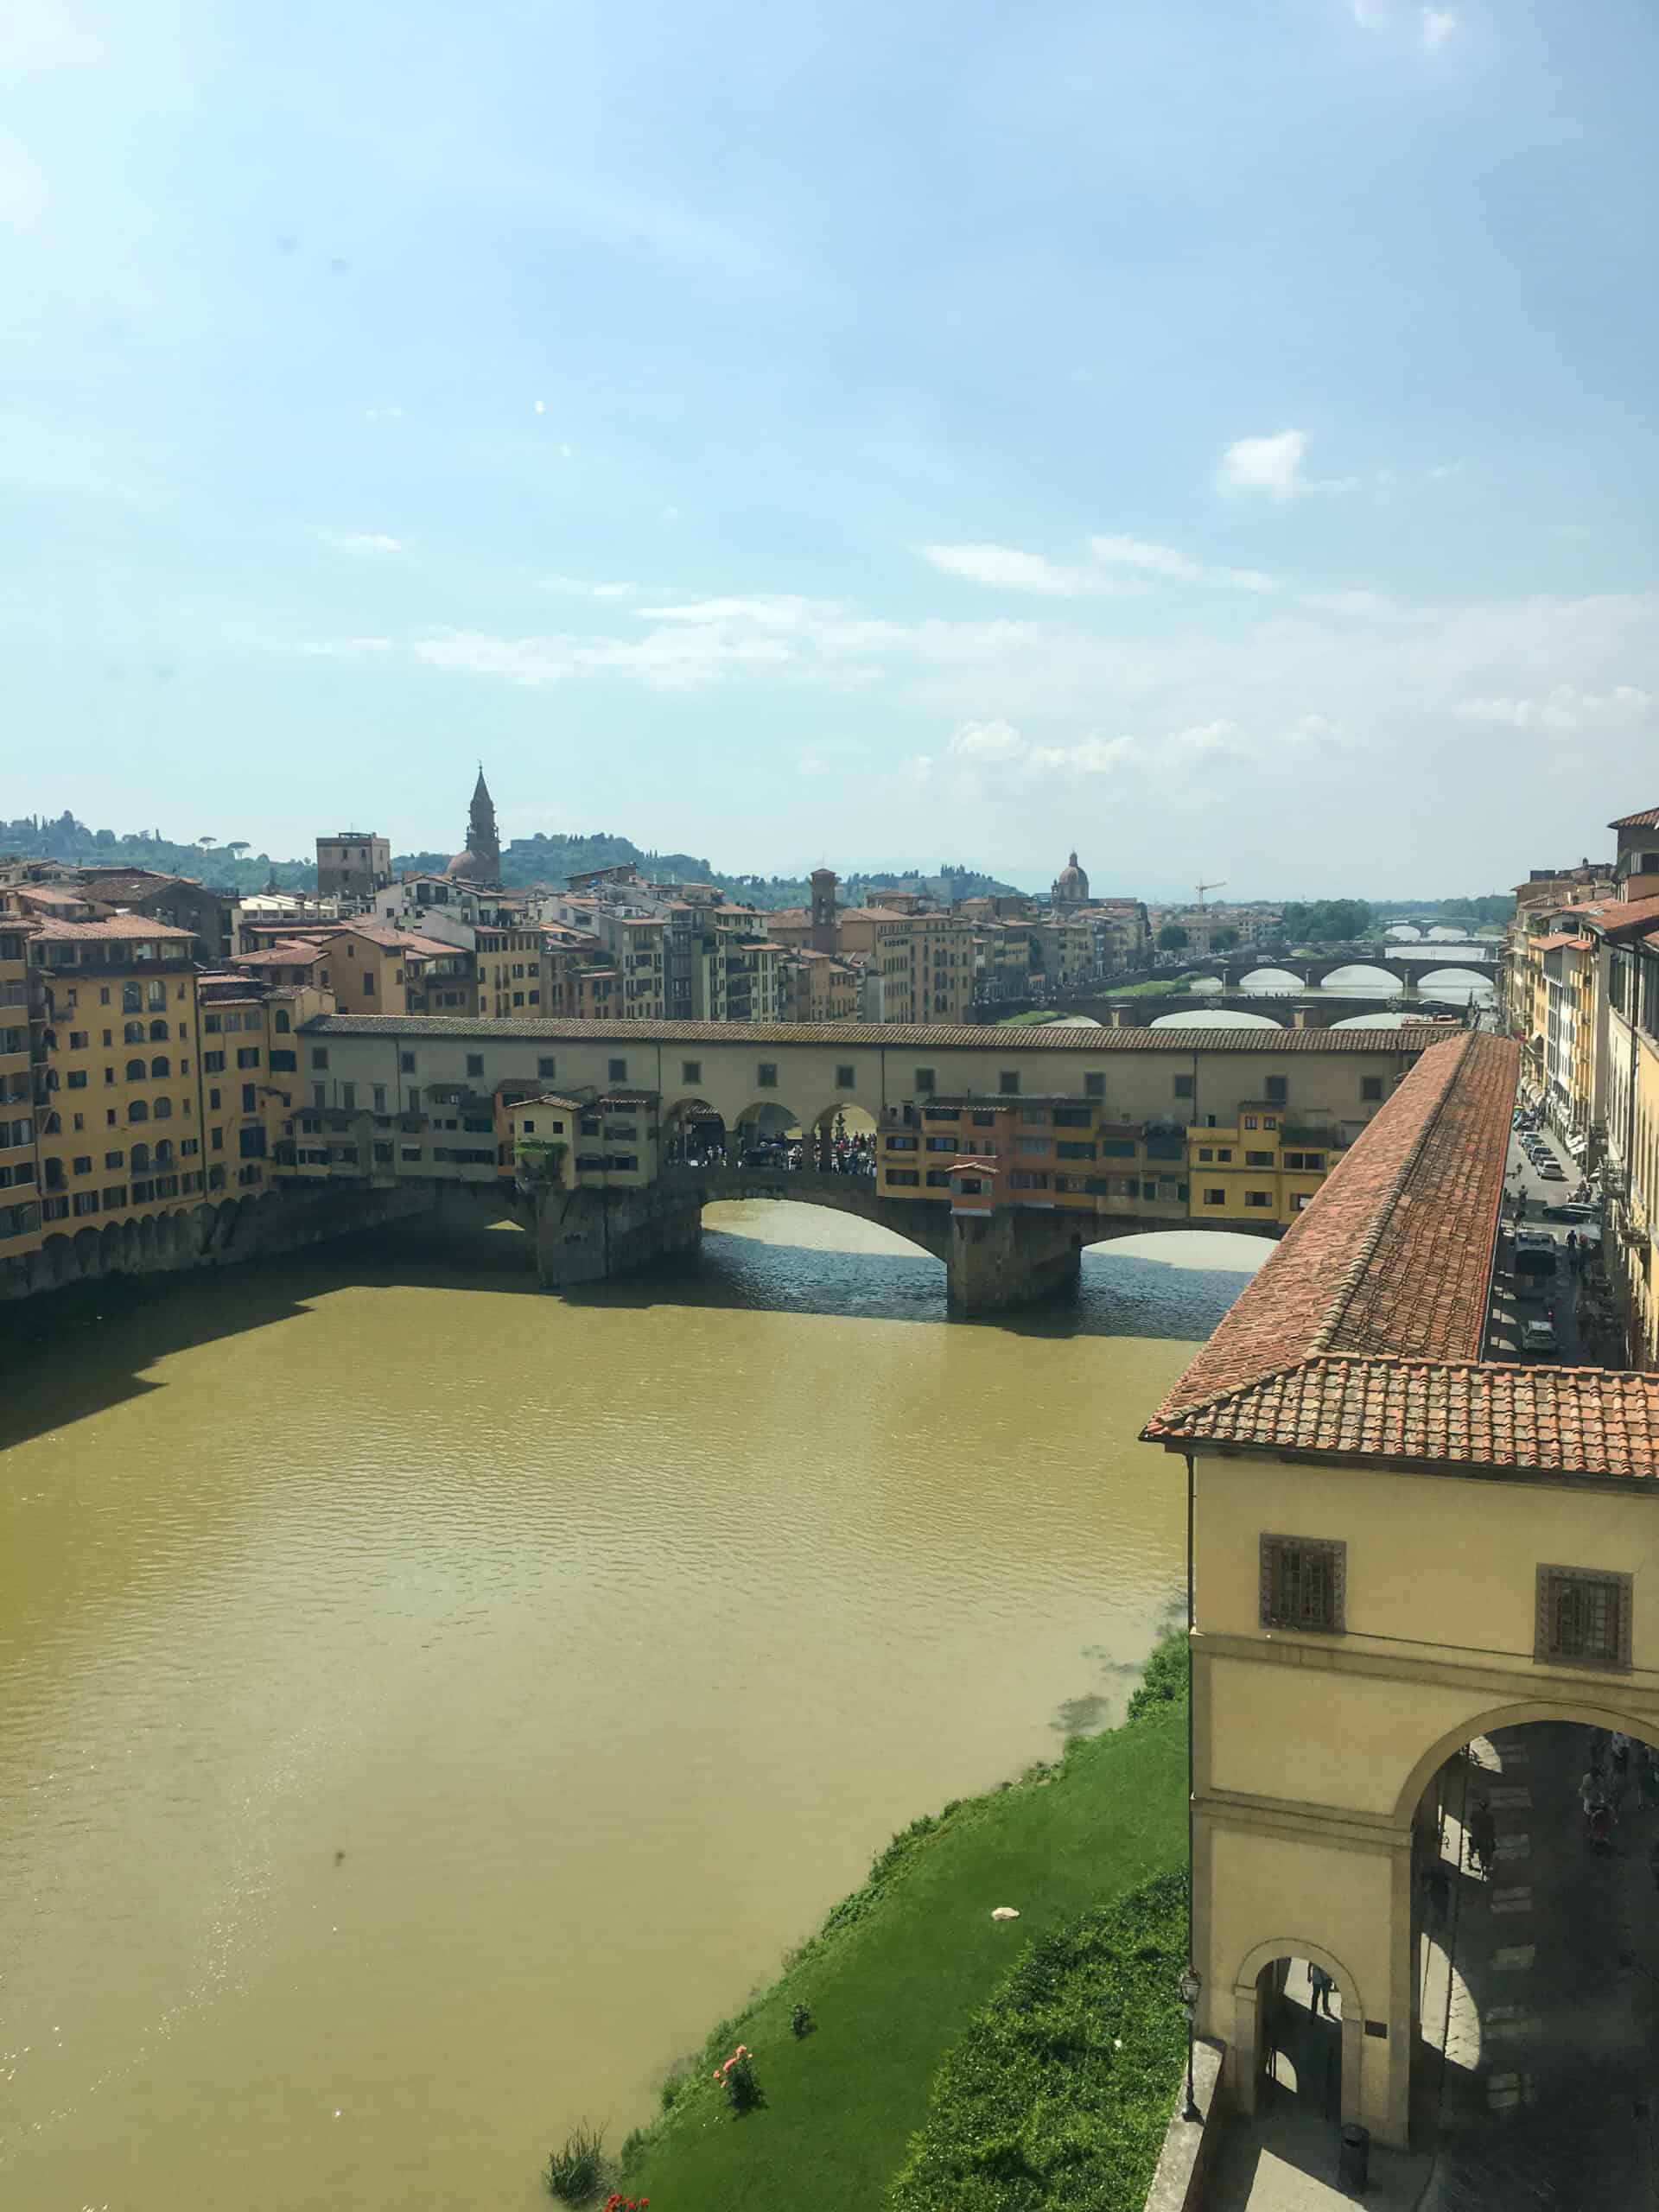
[(1361, 1337), (1647, 819), (875, 1036), (48, 932)]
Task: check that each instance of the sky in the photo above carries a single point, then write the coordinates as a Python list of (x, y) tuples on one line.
[(1216, 438)]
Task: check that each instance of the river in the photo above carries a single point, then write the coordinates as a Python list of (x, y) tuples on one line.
[(428, 1705)]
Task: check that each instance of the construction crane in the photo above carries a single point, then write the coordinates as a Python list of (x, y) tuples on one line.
[(1203, 887)]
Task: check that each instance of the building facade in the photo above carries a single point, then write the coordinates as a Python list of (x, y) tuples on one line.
[(352, 866)]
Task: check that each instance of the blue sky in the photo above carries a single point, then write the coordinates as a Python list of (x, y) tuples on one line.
[(1218, 437)]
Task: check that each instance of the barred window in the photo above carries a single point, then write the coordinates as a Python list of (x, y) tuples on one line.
[(1583, 1620), (1303, 1583)]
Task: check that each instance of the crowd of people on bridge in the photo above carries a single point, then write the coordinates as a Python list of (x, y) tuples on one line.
[(828, 1152)]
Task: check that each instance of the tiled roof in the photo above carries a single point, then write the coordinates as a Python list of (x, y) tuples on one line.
[(1621, 917), (1554, 944), (1409, 1039), (1362, 1336), (1578, 1420), (117, 926), (1648, 819)]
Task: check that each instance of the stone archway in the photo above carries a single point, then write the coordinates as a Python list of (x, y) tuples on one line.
[(1243, 2051)]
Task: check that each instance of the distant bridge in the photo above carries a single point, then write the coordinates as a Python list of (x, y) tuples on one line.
[(1408, 965)]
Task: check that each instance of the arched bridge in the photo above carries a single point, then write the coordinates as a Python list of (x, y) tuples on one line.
[(1407, 965)]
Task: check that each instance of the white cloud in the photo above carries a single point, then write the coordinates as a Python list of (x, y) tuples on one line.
[(1349, 602), (343, 648), (1435, 26), (1269, 465), (828, 756), (541, 407), (1565, 707), (1575, 531), (384, 414), (1004, 568), (1438, 474), (367, 541), (580, 587), (1083, 756), (997, 740), (1165, 561)]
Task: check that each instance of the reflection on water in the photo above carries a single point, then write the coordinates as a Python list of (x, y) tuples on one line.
[(429, 1704)]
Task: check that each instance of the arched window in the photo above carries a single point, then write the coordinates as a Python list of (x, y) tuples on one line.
[(49, 1039), (161, 1065), (158, 1032), (162, 1109), (164, 1154), (133, 1033), (52, 1125), (135, 1071), (138, 1110), (141, 1159), (132, 998), (282, 1021)]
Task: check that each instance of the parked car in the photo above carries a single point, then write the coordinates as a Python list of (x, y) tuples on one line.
[(1538, 1339), (1572, 1209), (1552, 1171)]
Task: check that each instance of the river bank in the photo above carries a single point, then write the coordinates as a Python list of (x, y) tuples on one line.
[(904, 1972)]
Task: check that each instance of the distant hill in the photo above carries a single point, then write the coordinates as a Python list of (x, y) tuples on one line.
[(231, 866)]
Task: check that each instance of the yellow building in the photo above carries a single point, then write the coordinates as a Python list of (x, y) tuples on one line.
[(606, 1140), (376, 968), (20, 1211), (509, 962), (1402, 1546), (119, 1132), (252, 1081), (1267, 1163), (815, 987)]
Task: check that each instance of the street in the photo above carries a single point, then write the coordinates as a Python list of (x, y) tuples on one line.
[(1573, 1299), (1535, 2081)]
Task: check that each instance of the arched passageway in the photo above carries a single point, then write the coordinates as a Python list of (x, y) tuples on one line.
[(1535, 1944)]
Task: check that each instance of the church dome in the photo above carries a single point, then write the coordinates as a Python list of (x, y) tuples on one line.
[(1071, 885), (463, 867)]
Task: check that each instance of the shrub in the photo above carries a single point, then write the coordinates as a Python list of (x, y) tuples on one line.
[(1060, 2090), (576, 2171), (802, 2021), (1165, 1681), (739, 2080)]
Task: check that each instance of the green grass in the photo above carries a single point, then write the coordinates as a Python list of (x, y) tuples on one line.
[(1060, 2093), (1033, 1020), (901, 1969), (1156, 987)]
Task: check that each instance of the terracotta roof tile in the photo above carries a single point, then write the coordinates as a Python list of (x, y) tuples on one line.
[(117, 926), (1647, 819), (1362, 1336), (1408, 1040)]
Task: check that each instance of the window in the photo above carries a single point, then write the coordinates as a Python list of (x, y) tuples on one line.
[(1067, 1150), (137, 1111), (158, 1032), (767, 1074), (1027, 1179), (1183, 1086), (1215, 1198), (905, 1175), (283, 1063), (1258, 1198), (937, 1178), (319, 1056), (1305, 1162), (1269, 1121), (619, 1071), (1258, 1160), (1583, 1620), (1094, 1086), (475, 1063), (1206, 1152), (248, 1055), (1276, 1089), (1008, 1083), (1303, 1583), (926, 1080), (281, 1023), (1370, 1086), (348, 1097), (76, 1079), (115, 1160), (1224, 1156), (406, 1065), (250, 1099), (212, 1063), (1302, 1199), (845, 1078), (78, 1040), (164, 1109)]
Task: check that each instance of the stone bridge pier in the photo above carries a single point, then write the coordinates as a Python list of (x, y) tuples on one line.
[(994, 1262)]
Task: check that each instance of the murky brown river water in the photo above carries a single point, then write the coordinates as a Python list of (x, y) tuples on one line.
[(426, 1705)]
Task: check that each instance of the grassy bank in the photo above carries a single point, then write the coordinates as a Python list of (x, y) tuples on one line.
[(1156, 987), (901, 1969)]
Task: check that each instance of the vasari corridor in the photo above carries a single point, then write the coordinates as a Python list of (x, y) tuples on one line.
[(829, 1373)]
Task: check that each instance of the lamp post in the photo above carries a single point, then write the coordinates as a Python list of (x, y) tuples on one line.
[(1190, 1984)]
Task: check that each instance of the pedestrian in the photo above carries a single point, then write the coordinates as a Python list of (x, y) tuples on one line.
[(1482, 1831), (1322, 1986)]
